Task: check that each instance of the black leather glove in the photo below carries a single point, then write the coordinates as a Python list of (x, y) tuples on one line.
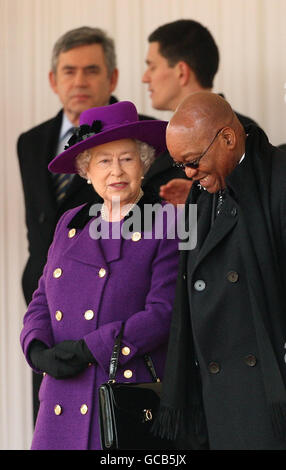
[(47, 360), (74, 352)]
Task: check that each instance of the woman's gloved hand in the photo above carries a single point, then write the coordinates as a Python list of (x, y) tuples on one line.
[(74, 352), (59, 362)]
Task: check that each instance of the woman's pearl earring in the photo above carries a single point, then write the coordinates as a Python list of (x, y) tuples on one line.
[(142, 177), (88, 182)]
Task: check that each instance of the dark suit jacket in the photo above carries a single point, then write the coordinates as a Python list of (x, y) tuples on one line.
[(282, 147), (36, 148)]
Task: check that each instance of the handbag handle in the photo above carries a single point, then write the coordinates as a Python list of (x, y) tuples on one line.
[(115, 356)]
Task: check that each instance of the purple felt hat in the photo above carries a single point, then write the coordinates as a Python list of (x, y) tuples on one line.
[(106, 124)]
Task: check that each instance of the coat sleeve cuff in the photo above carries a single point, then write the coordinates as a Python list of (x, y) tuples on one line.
[(26, 340), (101, 341)]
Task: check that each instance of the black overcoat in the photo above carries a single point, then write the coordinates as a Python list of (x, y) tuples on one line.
[(213, 302)]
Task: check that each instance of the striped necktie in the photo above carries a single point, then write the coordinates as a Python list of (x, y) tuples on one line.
[(62, 181)]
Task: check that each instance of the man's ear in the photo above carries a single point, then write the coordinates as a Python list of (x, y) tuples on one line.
[(184, 72), (113, 80), (53, 81), (229, 137)]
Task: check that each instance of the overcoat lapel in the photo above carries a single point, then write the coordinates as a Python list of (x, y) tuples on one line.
[(87, 223), (86, 247), (86, 250), (211, 236)]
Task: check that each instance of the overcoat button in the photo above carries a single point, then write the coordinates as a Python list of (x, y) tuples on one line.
[(125, 351), (89, 314), (58, 410), (136, 236), (250, 360), (101, 272), (84, 409), (72, 233), (232, 276), (58, 315), (57, 273), (214, 367), (128, 374), (184, 276), (233, 211), (200, 285)]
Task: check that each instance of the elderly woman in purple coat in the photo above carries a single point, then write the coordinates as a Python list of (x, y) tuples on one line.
[(98, 277)]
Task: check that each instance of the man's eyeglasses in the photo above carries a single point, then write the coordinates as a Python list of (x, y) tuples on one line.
[(196, 163)]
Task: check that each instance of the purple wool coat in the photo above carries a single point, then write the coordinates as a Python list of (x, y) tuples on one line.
[(88, 288)]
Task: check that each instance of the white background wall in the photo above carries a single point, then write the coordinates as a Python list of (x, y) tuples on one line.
[(251, 35)]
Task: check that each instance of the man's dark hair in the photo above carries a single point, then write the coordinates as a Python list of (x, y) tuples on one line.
[(191, 42), (84, 36)]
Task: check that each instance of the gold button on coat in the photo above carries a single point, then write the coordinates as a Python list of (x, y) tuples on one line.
[(83, 409), (125, 351), (72, 233), (128, 374), (101, 272), (89, 314), (57, 273), (58, 410), (58, 315), (136, 236)]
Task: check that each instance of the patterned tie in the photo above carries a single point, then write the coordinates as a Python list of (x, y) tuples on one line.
[(62, 181)]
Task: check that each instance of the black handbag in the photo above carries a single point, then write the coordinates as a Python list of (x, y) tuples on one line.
[(127, 410)]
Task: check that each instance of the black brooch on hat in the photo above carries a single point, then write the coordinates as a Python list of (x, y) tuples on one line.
[(83, 132)]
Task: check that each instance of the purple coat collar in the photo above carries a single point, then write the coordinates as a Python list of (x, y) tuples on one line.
[(85, 214)]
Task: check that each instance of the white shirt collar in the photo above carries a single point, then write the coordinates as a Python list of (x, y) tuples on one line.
[(65, 133), (241, 158)]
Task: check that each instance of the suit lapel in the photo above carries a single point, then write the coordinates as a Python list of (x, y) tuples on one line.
[(51, 138), (47, 148)]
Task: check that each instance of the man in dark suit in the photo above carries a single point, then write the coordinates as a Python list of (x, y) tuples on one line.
[(182, 58), (83, 75), (225, 376)]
